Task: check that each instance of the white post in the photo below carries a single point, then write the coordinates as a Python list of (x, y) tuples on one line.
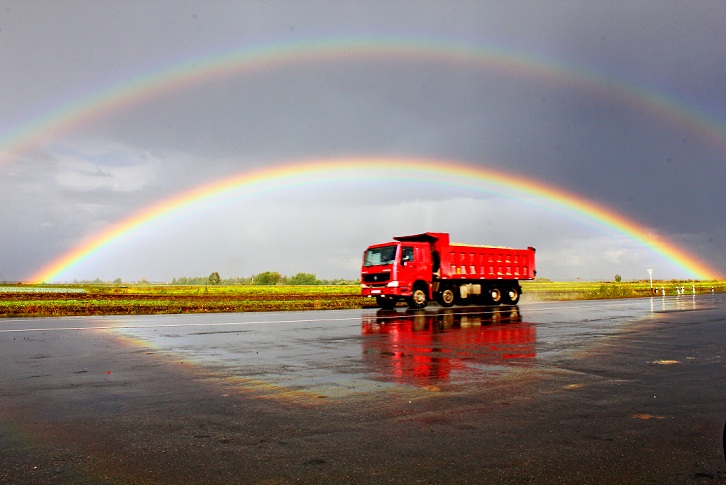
[(650, 275)]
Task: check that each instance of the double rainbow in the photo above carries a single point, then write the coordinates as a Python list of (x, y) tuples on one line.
[(188, 72)]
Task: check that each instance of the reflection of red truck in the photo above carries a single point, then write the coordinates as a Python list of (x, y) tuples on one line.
[(424, 266), (424, 348)]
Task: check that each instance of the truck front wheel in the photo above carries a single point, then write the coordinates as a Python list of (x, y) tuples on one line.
[(419, 298), (447, 297)]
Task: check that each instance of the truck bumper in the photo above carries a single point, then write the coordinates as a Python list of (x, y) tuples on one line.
[(386, 291)]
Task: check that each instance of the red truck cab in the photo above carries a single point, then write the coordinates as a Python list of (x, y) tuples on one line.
[(420, 267)]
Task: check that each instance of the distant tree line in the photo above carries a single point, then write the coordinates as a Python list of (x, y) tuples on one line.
[(265, 278), (268, 278)]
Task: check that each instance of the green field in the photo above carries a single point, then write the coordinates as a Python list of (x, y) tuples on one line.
[(58, 300), (590, 290), (146, 299)]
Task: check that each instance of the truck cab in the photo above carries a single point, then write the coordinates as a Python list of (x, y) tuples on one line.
[(397, 270)]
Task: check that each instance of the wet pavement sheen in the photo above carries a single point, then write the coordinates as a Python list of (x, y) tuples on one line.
[(616, 391)]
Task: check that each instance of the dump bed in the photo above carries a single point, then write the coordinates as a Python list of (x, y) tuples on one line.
[(460, 261), (468, 261)]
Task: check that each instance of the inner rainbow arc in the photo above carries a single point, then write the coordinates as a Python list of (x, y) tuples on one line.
[(331, 170)]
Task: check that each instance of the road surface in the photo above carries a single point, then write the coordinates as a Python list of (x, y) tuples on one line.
[(619, 391)]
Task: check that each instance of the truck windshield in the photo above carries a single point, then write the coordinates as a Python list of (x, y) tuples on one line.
[(380, 256)]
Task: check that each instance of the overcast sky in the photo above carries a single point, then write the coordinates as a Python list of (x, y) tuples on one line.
[(623, 103)]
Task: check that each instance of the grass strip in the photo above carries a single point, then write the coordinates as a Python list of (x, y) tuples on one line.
[(145, 299)]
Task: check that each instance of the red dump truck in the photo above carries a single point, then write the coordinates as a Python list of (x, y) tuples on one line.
[(427, 266)]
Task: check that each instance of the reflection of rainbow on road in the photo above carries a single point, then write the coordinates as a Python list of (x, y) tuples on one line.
[(216, 367), (374, 170)]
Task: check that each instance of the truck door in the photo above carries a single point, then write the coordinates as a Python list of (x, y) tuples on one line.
[(406, 270), (414, 265)]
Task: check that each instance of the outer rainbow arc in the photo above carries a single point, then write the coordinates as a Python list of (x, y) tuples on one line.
[(159, 82), (315, 171)]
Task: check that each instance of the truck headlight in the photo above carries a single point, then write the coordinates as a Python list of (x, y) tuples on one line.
[(392, 284)]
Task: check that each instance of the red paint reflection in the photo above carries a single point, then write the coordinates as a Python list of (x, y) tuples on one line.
[(423, 348)]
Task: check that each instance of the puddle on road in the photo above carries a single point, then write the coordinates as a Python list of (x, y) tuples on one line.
[(378, 351), (321, 355)]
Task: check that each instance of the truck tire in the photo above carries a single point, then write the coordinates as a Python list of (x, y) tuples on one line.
[(495, 295), (447, 296), (419, 298), (512, 295), (385, 303)]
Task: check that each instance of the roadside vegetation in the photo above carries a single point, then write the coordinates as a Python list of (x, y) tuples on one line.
[(545, 290), (142, 299), (272, 292)]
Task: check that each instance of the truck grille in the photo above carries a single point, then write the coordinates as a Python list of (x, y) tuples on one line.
[(376, 278)]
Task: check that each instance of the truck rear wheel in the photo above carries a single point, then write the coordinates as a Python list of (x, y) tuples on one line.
[(512, 295), (495, 295), (447, 297), (419, 298)]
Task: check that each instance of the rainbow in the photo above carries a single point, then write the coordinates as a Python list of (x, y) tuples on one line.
[(445, 172), (181, 74)]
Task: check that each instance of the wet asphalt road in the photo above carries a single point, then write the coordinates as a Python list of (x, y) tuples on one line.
[(622, 391)]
